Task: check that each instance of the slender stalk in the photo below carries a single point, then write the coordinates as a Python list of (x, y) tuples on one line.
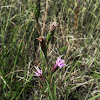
[(45, 18)]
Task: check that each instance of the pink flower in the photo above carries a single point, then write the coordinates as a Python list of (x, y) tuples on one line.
[(59, 63), (39, 72)]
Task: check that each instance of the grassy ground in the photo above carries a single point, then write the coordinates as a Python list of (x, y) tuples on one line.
[(77, 38)]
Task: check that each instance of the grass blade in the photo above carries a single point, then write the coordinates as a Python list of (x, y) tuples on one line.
[(94, 97), (50, 94)]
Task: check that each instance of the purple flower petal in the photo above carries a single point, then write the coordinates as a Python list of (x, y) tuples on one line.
[(38, 70), (61, 65), (60, 62), (37, 74)]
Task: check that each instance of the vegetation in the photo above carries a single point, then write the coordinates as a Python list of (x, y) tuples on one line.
[(26, 43)]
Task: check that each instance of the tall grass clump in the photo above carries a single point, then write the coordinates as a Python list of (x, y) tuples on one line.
[(49, 49)]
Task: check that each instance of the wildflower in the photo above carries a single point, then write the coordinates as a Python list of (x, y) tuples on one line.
[(59, 63), (53, 26), (39, 73)]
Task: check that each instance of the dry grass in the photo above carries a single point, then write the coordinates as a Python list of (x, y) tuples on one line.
[(77, 38)]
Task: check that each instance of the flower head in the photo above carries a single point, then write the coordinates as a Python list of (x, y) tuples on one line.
[(39, 72), (59, 63)]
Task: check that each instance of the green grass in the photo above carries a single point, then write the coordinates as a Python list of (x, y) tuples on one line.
[(77, 38)]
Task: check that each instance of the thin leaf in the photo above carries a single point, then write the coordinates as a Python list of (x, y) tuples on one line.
[(94, 97), (50, 94)]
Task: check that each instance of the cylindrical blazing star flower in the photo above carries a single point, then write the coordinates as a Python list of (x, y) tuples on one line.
[(59, 63), (39, 73)]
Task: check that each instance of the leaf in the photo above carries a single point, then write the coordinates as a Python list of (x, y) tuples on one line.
[(48, 38), (94, 97), (54, 90), (42, 60), (5, 81), (63, 49), (50, 94), (95, 75)]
